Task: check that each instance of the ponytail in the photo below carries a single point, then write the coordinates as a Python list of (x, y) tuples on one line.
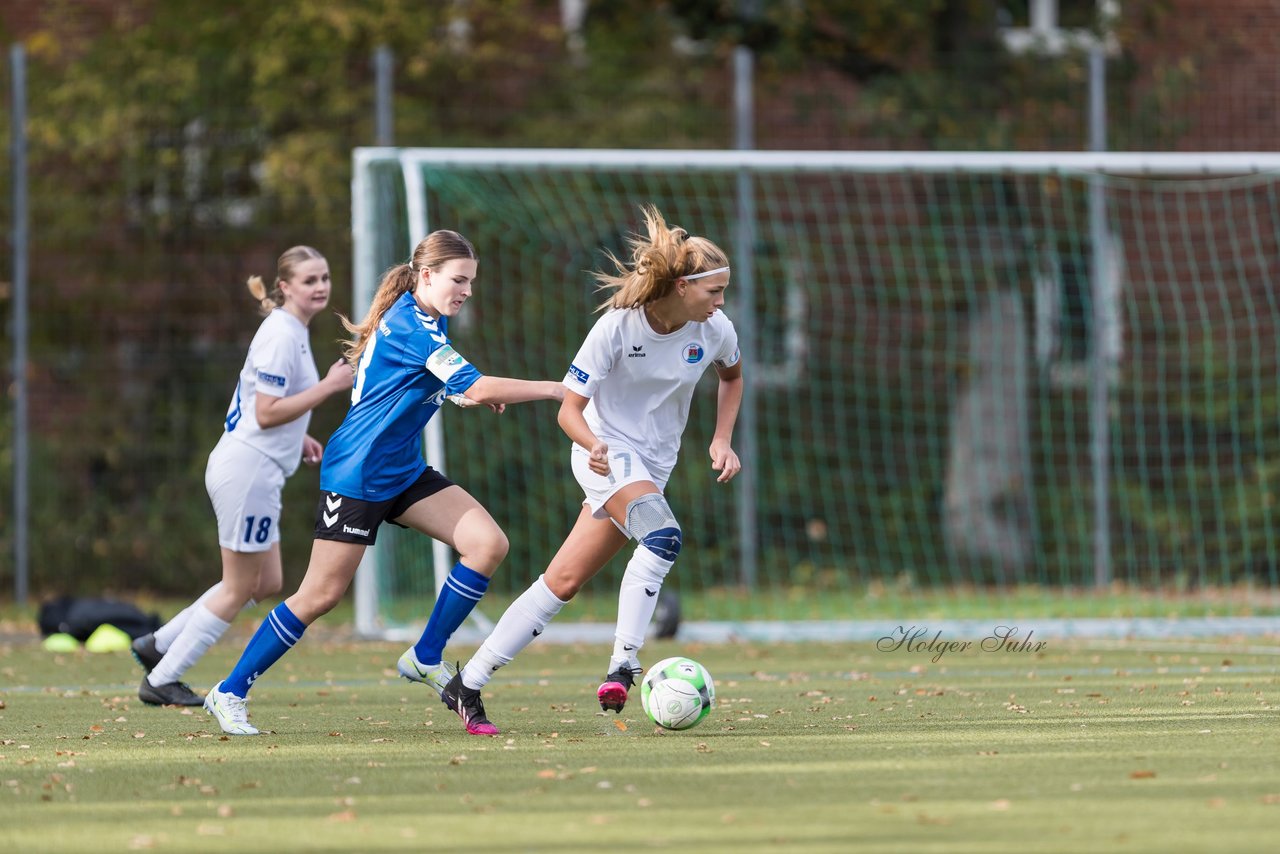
[(266, 303), (396, 282), (667, 254)]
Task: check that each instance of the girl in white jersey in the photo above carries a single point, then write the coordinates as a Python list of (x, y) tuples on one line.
[(625, 406), (265, 435)]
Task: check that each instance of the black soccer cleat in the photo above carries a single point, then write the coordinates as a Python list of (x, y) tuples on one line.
[(145, 652), (612, 693), (169, 694), (466, 703)]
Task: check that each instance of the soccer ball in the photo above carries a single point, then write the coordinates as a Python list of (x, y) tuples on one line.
[(677, 693)]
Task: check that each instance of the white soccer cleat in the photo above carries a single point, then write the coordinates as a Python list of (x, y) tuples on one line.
[(436, 676), (230, 711)]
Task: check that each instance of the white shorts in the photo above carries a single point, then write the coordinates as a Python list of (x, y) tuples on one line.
[(244, 485), (625, 466)]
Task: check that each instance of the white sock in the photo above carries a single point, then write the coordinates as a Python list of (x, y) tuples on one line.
[(168, 633), (637, 600), (201, 632), (523, 621)]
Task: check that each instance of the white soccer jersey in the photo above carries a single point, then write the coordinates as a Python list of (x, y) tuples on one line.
[(279, 364), (640, 382)]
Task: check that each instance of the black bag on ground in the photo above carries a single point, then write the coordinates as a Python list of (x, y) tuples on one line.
[(78, 617)]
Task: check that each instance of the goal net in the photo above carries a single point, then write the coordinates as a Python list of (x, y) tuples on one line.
[(998, 385)]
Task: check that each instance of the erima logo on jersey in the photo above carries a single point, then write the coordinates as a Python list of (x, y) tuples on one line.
[(636, 352), (436, 399), (579, 374), (270, 379), (693, 353), (445, 362)]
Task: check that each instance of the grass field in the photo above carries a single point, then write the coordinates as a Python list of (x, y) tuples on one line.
[(1151, 746)]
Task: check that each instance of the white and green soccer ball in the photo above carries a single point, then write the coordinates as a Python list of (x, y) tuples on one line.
[(677, 693)]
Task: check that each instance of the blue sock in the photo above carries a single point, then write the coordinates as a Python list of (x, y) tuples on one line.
[(276, 636), (462, 590)]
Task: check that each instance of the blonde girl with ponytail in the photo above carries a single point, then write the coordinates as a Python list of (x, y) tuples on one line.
[(264, 438), (626, 403)]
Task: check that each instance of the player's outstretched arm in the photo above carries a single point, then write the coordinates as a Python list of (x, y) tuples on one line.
[(728, 401), (493, 391)]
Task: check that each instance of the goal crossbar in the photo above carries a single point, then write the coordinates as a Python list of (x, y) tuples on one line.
[(1080, 162)]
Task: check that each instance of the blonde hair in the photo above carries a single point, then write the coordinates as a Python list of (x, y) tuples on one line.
[(431, 253), (667, 254), (290, 258)]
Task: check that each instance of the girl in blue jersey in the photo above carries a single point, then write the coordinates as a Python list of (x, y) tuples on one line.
[(373, 471), (626, 402), (265, 435)]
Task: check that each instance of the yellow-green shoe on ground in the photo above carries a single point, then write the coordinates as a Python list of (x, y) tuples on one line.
[(434, 676)]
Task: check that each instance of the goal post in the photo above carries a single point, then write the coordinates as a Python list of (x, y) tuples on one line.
[(1002, 381)]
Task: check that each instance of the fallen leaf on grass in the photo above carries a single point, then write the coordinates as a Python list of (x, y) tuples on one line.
[(1141, 775)]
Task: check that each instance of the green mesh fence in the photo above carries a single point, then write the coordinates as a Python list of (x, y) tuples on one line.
[(974, 393)]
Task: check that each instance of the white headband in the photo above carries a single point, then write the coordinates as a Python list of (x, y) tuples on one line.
[(704, 275)]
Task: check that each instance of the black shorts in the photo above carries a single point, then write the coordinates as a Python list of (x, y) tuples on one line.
[(351, 520)]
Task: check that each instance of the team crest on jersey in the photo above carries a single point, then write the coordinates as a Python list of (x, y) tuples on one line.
[(693, 353)]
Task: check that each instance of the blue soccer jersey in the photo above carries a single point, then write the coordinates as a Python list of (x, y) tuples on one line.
[(406, 369)]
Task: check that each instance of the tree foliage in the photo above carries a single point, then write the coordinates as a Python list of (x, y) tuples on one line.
[(176, 146)]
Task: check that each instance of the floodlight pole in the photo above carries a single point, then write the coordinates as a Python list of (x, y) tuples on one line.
[(19, 245), (744, 242), (368, 620), (1101, 320), (383, 112), (1044, 36)]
